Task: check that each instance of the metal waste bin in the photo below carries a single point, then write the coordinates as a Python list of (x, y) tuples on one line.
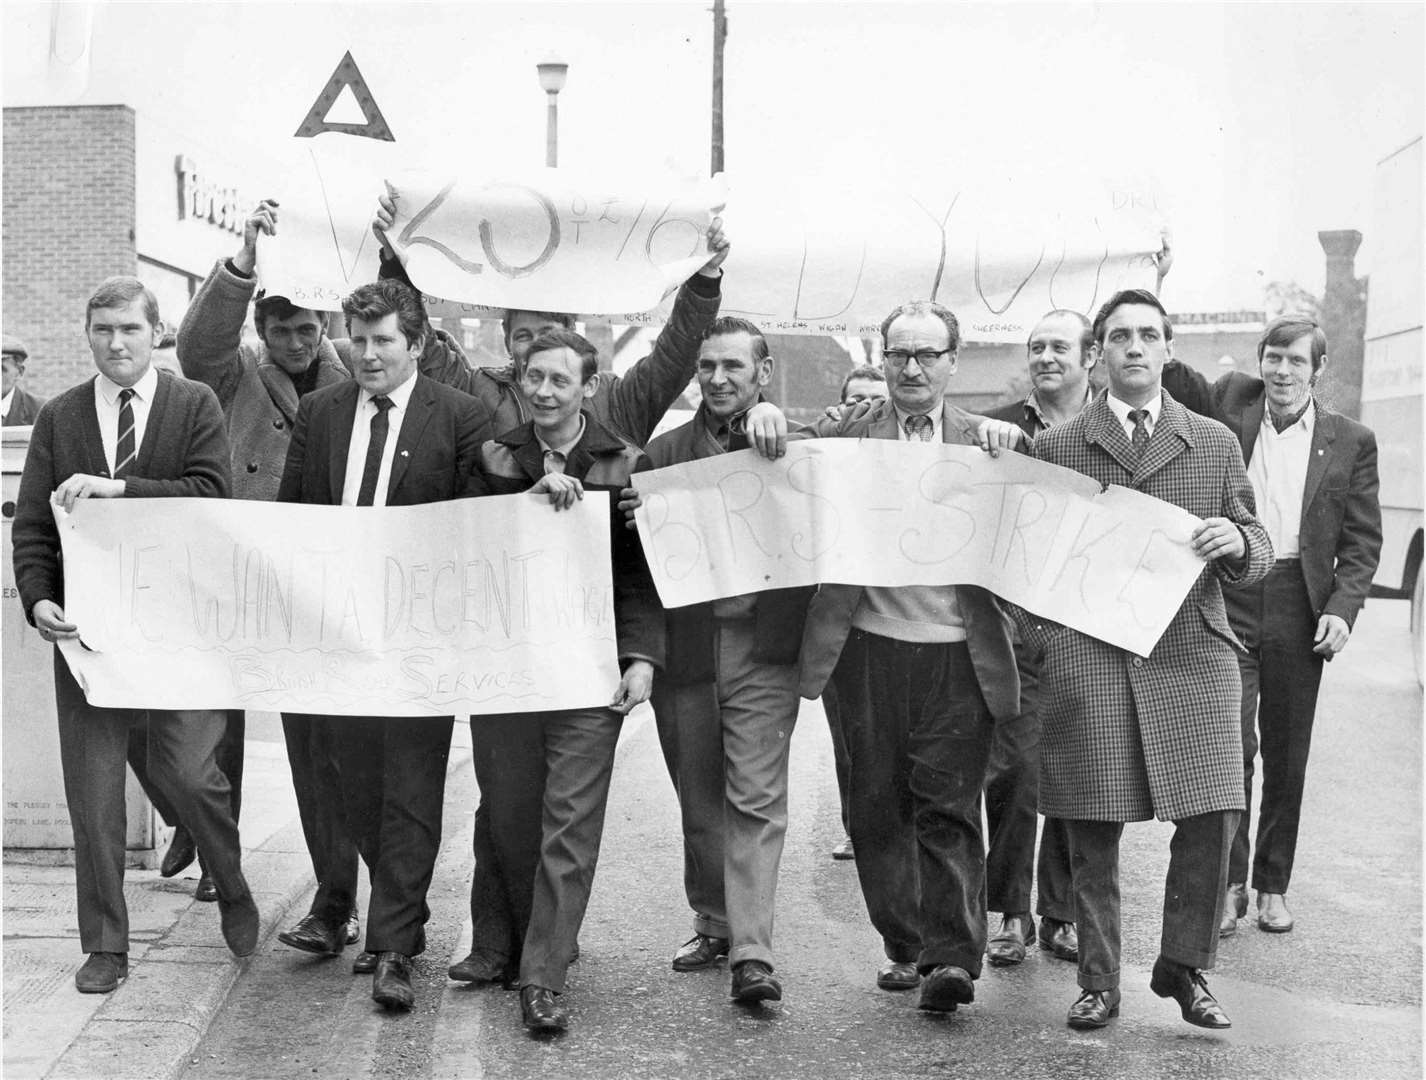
[(36, 814)]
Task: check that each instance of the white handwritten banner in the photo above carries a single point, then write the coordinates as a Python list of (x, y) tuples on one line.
[(1114, 564), (486, 605)]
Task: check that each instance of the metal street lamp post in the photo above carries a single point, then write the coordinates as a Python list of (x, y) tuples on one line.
[(552, 74)]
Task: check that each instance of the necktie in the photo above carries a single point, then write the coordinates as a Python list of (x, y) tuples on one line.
[(380, 425), (1141, 430), (125, 452), (554, 462), (919, 427)]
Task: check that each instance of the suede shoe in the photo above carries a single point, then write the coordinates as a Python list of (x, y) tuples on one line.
[(479, 968), (844, 850), (391, 983), (945, 987), (1094, 1009), (753, 981), (353, 928), (540, 1011), (314, 934), (239, 919), (898, 975), (102, 973), (364, 964), (1186, 986), (698, 952), (1008, 945), (1273, 915), (1059, 938), (1235, 906), (180, 854)]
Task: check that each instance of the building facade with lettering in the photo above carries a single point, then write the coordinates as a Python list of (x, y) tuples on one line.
[(96, 190)]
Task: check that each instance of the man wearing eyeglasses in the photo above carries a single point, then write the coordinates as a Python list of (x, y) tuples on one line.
[(917, 677)]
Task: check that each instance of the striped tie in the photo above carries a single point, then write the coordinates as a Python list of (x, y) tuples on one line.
[(126, 452)]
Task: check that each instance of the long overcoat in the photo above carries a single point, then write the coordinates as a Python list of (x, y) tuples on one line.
[(1126, 738)]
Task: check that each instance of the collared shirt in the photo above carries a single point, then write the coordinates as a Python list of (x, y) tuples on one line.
[(901, 418), (557, 456), (1122, 409), (1278, 473), (106, 404), (1036, 418), (361, 439)]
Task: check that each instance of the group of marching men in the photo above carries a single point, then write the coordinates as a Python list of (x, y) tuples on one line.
[(941, 700)]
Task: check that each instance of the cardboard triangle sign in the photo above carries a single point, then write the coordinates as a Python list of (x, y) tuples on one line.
[(346, 76)]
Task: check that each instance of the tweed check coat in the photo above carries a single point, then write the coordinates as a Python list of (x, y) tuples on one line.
[(1128, 738)]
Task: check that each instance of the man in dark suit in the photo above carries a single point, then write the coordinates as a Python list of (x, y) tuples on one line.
[(1314, 473), (919, 676), (18, 407), (1126, 738), (131, 432), (390, 437)]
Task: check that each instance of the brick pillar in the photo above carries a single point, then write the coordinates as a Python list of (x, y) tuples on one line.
[(1344, 320)]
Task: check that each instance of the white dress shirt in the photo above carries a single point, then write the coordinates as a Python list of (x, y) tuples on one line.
[(1278, 473), (901, 417), (1122, 409), (361, 439), (5, 401), (106, 404)]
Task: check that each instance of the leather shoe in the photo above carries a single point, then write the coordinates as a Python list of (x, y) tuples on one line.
[(206, 891), (1186, 986), (898, 975), (753, 981), (353, 928), (102, 973), (698, 952), (1059, 938), (844, 850), (1235, 906), (1273, 915), (945, 987), (180, 854), (391, 985), (239, 919), (1008, 945), (315, 934), (364, 964), (540, 1011), (1094, 1009), (479, 968)]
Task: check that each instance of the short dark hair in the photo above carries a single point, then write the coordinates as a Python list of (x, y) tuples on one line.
[(372, 303), (1286, 329), (564, 318), (1086, 329), (925, 307), (1129, 296), (568, 339), (724, 325), (866, 371), (276, 307), (121, 291)]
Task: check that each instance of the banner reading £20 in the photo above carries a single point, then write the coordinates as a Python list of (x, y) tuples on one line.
[(486, 605), (1114, 564)]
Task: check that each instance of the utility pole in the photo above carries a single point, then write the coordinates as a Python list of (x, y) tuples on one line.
[(720, 35)]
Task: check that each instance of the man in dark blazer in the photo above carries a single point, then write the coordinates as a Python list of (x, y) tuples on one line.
[(919, 677), (1126, 738), (1314, 473), (390, 437), (131, 432), (18, 407)]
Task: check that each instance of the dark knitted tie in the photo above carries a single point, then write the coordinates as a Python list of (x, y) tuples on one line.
[(919, 427), (380, 425), (1141, 430), (126, 452)]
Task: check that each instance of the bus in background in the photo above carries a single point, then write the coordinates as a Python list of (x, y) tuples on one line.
[(1392, 376)]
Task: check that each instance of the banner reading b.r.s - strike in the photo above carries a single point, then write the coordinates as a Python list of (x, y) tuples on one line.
[(488, 605)]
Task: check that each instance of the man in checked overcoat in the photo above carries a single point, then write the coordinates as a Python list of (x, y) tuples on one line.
[(1128, 738)]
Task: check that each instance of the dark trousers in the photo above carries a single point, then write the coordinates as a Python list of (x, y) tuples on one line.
[(917, 733), (726, 744), (1012, 784), (544, 785), (316, 781), (1281, 676), (93, 748), (1193, 893), (393, 781), (839, 750), (229, 757)]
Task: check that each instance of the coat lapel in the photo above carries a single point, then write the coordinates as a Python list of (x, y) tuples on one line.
[(419, 407), (93, 438), (151, 429), (1171, 437), (885, 426), (955, 426), (280, 389), (1102, 428), (343, 418), (1319, 456)]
